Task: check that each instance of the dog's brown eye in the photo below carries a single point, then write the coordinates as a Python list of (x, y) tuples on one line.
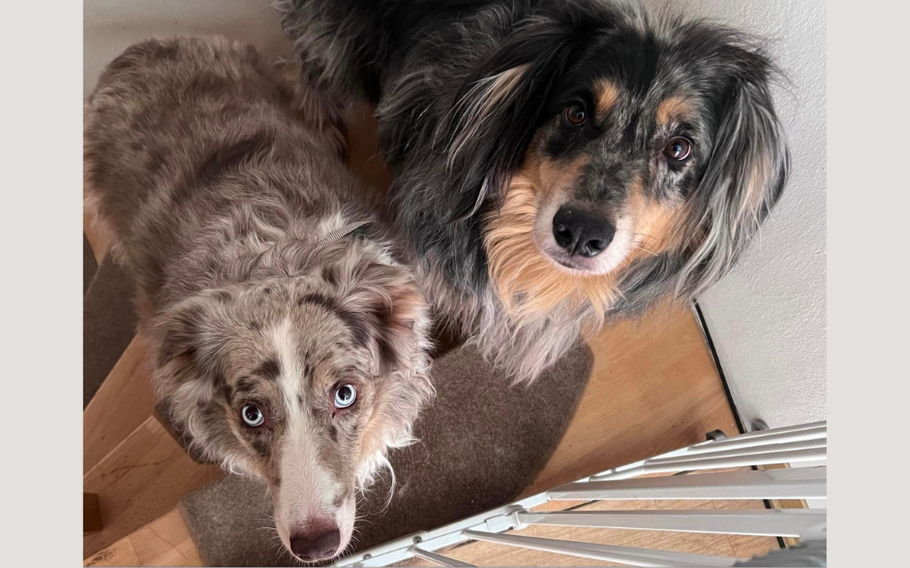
[(252, 416), (575, 114), (678, 148)]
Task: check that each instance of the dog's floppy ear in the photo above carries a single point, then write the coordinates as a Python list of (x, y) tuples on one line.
[(388, 304), (189, 375), (190, 336), (501, 104), (744, 177), (390, 311), (189, 333)]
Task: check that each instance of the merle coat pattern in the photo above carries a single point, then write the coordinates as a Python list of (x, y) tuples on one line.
[(293, 360)]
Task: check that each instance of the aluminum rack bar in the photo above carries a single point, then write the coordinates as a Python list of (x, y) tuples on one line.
[(760, 522), (439, 558), (794, 483), (771, 437)]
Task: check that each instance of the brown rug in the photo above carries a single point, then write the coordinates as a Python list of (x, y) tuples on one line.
[(108, 322), (482, 443), (89, 266)]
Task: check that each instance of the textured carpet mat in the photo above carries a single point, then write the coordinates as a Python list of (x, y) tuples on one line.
[(108, 321)]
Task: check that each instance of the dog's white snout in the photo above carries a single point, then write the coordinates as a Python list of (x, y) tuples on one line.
[(314, 511)]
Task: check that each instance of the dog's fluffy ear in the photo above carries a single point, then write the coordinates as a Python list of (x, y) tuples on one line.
[(189, 377), (393, 311), (389, 303), (188, 335), (744, 177), (500, 105)]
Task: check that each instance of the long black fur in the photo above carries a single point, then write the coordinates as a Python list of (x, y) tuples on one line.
[(420, 62)]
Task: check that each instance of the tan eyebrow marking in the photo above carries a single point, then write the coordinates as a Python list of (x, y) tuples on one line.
[(606, 94), (673, 108)]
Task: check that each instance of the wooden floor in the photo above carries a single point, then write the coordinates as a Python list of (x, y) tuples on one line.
[(654, 388)]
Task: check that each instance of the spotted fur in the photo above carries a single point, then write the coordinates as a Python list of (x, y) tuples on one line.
[(219, 177)]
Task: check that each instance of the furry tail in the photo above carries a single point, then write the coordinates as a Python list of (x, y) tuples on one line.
[(346, 47), (341, 45)]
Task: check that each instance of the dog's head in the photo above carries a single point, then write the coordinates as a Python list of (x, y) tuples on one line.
[(303, 382), (616, 156)]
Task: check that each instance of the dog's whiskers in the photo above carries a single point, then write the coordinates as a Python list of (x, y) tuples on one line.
[(645, 236), (652, 253)]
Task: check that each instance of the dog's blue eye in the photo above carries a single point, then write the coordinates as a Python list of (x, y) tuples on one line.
[(252, 416), (345, 395)]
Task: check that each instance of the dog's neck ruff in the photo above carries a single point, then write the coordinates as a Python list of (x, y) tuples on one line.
[(341, 233)]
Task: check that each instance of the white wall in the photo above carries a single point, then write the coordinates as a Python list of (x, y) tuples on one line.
[(110, 26), (768, 317)]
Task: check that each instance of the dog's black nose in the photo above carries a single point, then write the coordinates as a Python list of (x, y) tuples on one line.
[(582, 232), (318, 545)]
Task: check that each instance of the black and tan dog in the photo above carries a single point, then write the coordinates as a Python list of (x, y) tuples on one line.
[(289, 341), (557, 162)]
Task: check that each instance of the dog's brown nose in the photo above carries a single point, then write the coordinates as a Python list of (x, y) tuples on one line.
[(317, 544), (582, 232)]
